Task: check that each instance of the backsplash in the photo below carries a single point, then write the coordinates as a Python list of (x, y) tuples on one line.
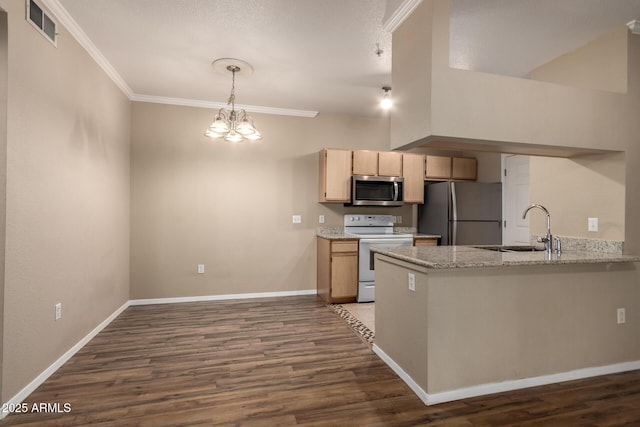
[(585, 244)]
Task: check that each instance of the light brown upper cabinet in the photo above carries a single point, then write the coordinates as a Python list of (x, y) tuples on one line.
[(465, 168), (442, 167), (335, 175), (389, 163), (377, 163), (413, 173), (365, 162), (437, 167)]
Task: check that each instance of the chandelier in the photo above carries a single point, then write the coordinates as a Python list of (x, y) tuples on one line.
[(233, 126)]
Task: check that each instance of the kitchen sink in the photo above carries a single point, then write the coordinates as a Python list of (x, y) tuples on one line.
[(507, 248)]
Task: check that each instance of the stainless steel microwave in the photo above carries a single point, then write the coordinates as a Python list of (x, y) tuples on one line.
[(377, 190)]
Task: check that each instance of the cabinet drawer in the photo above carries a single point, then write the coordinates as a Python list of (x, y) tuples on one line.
[(425, 241), (344, 246)]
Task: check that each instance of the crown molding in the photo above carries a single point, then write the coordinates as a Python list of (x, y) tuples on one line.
[(634, 26), (74, 29), (400, 15), (217, 105)]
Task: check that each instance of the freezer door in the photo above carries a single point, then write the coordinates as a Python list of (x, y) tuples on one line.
[(433, 215), (478, 201), (477, 232)]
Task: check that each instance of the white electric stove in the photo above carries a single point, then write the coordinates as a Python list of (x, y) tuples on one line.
[(372, 230)]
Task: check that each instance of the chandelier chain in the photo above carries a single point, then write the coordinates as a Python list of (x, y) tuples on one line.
[(232, 96)]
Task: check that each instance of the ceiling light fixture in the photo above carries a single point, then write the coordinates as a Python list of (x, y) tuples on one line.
[(386, 102), (379, 51), (233, 126)]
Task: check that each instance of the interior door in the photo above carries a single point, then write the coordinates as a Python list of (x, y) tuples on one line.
[(516, 199)]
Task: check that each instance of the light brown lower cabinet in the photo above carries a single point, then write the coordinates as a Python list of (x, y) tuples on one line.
[(337, 270), (425, 241)]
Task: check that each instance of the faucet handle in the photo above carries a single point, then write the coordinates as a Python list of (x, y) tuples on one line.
[(557, 245), (542, 239)]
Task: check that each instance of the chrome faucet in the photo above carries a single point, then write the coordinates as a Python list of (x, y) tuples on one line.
[(548, 239)]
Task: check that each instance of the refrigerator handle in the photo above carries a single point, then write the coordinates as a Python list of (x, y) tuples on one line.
[(454, 214)]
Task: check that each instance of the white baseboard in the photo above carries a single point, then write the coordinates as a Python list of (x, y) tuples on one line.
[(26, 391), (490, 388), (220, 297), (402, 374)]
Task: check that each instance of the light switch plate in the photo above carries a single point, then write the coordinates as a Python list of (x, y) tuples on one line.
[(297, 219), (592, 224)]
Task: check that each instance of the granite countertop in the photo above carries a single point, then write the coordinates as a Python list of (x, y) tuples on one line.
[(339, 234), (448, 257)]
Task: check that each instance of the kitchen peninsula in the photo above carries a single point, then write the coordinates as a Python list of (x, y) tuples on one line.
[(460, 321)]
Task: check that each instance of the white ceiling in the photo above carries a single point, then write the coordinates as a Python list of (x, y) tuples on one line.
[(319, 55)]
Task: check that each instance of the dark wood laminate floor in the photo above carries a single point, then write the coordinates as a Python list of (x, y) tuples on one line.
[(287, 361)]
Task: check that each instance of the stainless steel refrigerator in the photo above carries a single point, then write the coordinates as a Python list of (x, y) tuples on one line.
[(463, 213)]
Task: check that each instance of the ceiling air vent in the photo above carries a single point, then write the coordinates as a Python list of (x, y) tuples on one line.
[(41, 21)]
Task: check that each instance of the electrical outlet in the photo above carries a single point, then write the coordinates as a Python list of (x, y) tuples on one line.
[(399, 219), (200, 268), (412, 282), (622, 317), (297, 219), (592, 224), (58, 311), (321, 219)]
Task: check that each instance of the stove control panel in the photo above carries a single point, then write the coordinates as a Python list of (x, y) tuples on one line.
[(355, 220)]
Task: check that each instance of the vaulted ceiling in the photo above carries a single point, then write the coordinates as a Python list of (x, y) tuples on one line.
[(319, 55)]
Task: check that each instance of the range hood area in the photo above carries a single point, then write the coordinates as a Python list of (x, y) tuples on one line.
[(444, 108)]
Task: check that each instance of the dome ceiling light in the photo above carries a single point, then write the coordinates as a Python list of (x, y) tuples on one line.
[(386, 102)]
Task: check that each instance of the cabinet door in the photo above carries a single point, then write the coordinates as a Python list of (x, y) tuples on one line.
[(389, 163), (465, 168), (413, 173), (438, 167), (344, 275), (335, 175), (365, 162)]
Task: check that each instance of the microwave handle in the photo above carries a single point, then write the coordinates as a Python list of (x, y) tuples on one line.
[(395, 191)]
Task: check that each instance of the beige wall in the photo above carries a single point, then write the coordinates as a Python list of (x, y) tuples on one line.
[(229, 206), (411, 82), (592, 186), (468, 104), (601, 65), (67, 199), (3, 171), (577, 189), (512, 115)]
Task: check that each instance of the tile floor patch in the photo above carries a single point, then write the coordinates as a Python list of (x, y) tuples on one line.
[(354, 323)]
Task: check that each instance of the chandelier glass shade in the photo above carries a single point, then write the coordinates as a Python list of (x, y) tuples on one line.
[(232, 125)]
